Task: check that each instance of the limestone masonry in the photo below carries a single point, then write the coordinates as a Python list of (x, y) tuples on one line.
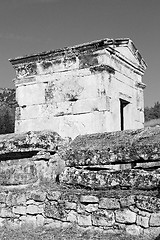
[(90, 88), (105, 182)]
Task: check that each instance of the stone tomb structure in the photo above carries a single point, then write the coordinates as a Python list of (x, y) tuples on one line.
[(95, 87)]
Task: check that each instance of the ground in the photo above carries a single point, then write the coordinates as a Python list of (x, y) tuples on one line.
[(65, 234)]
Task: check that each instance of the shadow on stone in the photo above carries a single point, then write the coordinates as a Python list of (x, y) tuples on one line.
[(158, 237)]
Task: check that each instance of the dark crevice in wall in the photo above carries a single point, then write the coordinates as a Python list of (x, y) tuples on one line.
[(79, 186), (101, 68), (73, 99), (101, 167), (17, 155)]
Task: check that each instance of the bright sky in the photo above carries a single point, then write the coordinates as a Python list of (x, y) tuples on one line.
[(32, 26)]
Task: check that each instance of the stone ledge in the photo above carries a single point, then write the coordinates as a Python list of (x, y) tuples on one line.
[(16, 145), (134, 146), (105, 179)]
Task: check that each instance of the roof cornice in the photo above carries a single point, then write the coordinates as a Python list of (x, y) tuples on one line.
[(94, 45)]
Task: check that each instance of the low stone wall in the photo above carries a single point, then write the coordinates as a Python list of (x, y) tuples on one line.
[(107, 182), (136, 213)]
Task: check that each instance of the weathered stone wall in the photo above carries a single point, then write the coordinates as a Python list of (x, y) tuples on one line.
[(135, 213), (77, 90), (107, 182)]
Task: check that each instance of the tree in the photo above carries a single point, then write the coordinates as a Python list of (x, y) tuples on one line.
[(7, 110), (6, 119), (152, 112)]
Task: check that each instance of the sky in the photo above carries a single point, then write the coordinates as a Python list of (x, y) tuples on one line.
[(33, 26)]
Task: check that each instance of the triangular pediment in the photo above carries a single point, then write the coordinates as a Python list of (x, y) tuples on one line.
[(130, 52), (125, 51)]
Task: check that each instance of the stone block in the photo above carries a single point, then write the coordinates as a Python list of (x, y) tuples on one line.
[(89, 199), (125, 216), (70, 205), (155, 220), (124, 179), (91, 105), (55, 109), (27, 142), (127, 201), (84, 220), (18, 173), (39, 220), (21, 210), (103, 218), (29, 112), (33, 209), (31, 94), (109, 203), (142, 221), (6, 213), (134, 230), (72, 216)]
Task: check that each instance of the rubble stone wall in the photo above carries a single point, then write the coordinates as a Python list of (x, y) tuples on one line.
[(135, 213), (106, 182)]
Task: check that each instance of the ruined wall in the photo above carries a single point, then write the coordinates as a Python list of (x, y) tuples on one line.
[(77, 90), (105, 182)]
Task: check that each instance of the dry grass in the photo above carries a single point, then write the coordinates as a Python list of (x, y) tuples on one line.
[(71, 233)]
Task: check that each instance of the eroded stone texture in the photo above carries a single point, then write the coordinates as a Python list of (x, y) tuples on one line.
[(147, 203), (55, 210), (81, 89), (104, 179), (16, 145), (30, 157), (103, 218), (109, 203), (86, 192), (117, 147)]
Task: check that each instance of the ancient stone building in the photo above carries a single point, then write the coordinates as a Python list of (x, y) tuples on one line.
[(89, 88)]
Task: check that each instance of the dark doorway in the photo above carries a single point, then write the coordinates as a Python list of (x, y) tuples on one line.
[(123, 104)]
